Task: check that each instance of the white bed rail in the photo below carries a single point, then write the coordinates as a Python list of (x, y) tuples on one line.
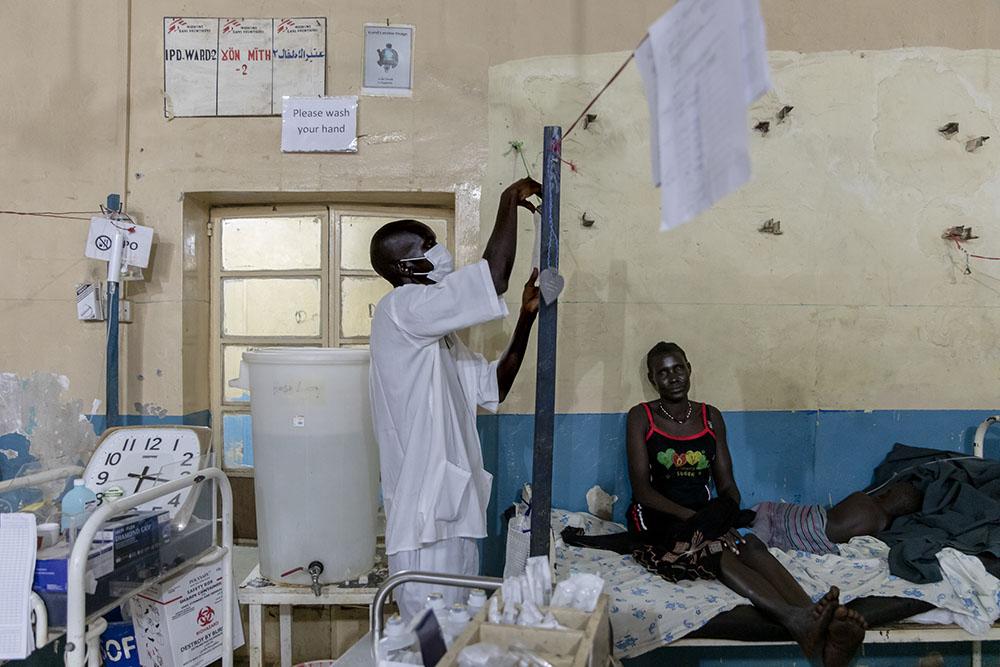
[(40, 478), (979, 441)]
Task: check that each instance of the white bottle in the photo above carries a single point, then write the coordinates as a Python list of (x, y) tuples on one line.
[(458, 620), (396, 646), (477, 600), (435, 601)]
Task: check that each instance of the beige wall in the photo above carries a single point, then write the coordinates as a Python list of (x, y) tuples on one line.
[(76, 127), (860, 304), (810, 319)]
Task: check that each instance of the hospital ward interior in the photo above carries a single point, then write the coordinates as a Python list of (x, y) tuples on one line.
[(500, 333)]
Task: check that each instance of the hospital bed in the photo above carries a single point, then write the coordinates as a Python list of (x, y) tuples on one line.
[(642, 596)]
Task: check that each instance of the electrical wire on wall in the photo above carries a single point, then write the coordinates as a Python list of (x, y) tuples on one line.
[(124, 224), (62, 215), (959, 234)]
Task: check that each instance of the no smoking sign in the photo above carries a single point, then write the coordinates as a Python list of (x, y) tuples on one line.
[(137, 242)]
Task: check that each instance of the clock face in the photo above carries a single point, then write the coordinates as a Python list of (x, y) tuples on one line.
[(130, 460)]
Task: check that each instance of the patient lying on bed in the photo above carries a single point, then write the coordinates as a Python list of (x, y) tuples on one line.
[(815, 529)]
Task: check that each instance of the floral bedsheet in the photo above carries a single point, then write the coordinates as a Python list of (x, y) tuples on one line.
[(648, 612)]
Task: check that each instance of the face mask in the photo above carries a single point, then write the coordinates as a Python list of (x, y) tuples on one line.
[(440, 259)]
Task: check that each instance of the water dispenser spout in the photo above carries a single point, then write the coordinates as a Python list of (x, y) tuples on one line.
[(316, 569)]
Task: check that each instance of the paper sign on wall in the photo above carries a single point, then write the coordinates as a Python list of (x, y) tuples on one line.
[(319, 125), (137, 241), (240, 67), (388, 61)]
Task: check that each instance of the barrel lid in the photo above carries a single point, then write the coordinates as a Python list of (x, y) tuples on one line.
[(306, 355)]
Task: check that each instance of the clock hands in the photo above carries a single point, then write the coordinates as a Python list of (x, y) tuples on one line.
[(143, 476)]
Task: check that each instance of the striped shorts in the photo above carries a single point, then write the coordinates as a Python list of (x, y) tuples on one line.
[(793, 527)]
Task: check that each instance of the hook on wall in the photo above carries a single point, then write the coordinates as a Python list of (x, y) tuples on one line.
[(974, 144), (959, 233), (588, 119), (783, 112), (771, 226), (585, 221), (763, 127), (948, 130)]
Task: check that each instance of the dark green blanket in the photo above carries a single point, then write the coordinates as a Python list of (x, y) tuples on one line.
[(961, 509)]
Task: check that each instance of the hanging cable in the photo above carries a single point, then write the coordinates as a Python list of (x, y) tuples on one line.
[(606, 86), (62, 215)]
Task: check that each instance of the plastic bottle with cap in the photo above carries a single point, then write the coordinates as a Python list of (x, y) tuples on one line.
[(477, 600), (458, 619), (77, 505), (396, 646), (435, 601)]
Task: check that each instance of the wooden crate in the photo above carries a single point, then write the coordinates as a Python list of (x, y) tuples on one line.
[(586, 641)]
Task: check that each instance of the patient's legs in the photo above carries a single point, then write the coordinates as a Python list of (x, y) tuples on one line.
[(755, 555), (806, 622)]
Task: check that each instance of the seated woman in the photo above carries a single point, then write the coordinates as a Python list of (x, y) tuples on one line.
[(815, 529), (676, 449)]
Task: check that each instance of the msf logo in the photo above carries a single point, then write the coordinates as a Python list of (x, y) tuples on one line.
[(286, 25), (175, 25), (206, 616), (231, 25)]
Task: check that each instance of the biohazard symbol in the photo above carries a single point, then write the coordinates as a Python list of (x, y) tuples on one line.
[(206, 616)]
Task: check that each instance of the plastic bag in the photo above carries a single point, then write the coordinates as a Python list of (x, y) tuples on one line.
[(580, 591), (485, 655), (518, 542)]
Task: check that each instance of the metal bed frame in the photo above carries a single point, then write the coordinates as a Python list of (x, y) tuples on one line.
[(904, 633)]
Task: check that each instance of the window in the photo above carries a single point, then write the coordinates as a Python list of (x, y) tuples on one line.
[(291, 276)]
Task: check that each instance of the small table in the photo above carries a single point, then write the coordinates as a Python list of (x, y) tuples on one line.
[(256, 592)]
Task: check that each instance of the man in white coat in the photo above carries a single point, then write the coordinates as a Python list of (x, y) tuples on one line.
[(426, 385)]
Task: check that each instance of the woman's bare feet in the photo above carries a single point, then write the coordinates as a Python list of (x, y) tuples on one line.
[(844, 637), (809, 626)]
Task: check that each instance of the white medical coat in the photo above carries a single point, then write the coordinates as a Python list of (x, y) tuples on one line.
[(425, 386)]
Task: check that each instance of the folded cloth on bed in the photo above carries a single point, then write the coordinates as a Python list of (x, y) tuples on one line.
[(961, 509), (786, 526), (648, 612)]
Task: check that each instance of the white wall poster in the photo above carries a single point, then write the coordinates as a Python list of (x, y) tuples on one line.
[(239, 66), (388, 61)]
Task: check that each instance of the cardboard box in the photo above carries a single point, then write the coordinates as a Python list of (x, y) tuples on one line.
[(135, 536), (585, 640), (52, 567), (182, 547), (178, 623)]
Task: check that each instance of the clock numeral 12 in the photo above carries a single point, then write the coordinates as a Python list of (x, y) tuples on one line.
[(153, 444)]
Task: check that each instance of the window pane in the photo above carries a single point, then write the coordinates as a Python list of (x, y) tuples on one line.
[(356, 236), (271, 306), (231, 357), (358, 297), (237, 440), (257, 244)]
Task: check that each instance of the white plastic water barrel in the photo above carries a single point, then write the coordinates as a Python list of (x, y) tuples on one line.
[(315, 461)]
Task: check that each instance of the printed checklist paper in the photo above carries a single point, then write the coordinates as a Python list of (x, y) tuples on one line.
[(704, 62), (17, 553)]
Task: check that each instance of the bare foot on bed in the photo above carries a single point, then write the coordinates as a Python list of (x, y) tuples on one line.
[(811, 628), (831, 598), (844, 638)]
